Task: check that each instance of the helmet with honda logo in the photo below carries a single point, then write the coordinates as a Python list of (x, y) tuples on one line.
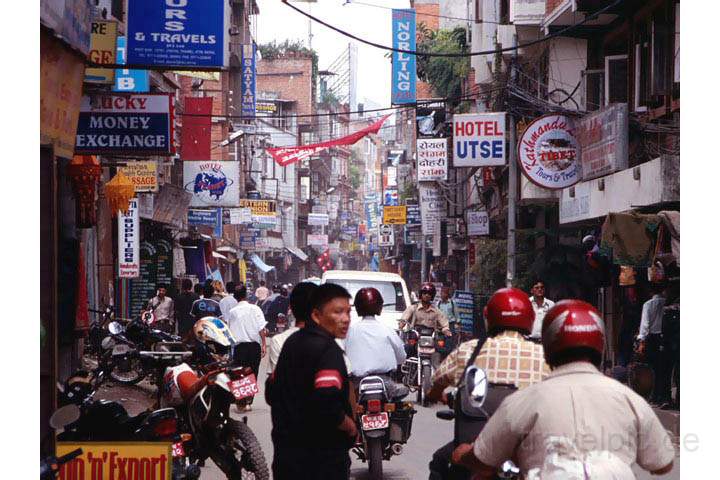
[(368, 301), (573, 326), (428, 288), (509, 309)]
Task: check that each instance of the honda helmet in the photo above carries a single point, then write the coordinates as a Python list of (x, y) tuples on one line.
[(428, 288), (368, 301), (509, 308), (572, 324), (214, 333)]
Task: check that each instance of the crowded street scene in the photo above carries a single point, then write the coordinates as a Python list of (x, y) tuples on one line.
[(339, 239)]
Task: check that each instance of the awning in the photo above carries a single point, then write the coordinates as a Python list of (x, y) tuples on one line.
[(227, 249), (298, 253), (264, 267)]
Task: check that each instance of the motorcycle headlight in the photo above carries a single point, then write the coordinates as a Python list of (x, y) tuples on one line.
[(107, 343), (426, 342)]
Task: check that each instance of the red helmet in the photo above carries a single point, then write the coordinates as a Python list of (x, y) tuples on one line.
[(572, 324), (509, 308), (368, 301), (428, 288)]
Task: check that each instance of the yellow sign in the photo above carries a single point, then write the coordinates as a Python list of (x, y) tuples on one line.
[(143, 175), (116, 460), (395, 215), (103, 50), (259, 207)]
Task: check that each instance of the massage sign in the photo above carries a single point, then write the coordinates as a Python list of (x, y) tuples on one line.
[(548, 152), (125, 124)]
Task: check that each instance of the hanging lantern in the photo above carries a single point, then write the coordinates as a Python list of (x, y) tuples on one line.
[(119, 191), (84, 172)]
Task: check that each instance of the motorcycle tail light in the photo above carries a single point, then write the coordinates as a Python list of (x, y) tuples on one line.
[(185, 437), (389, 407), (412, 342), (165, 427), (374, 406), (441, 343)]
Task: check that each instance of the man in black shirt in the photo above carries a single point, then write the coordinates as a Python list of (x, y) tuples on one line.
[(206, 306), (313, 426), (183, 303)]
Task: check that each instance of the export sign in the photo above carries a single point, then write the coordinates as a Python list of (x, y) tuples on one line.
[(103, 38), (395, 215), (213, 184), (404, 74), (143, 175), (548, 152), (127, 124), (479, 140), (129, 242), (116, 460), (432, 159), (178, 32), (603, 139)]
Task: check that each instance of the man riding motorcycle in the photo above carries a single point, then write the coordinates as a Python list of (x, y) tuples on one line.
[(506, 356), (425, 313), (603, 424)]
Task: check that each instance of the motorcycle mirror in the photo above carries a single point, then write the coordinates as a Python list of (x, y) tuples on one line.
[(64, 416), (509, 470), (476, 384), (115, 328)]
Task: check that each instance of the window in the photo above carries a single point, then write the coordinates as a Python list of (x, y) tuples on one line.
[(391, 292), (594, 89), (478, 11), (616, 79), (659, 60)]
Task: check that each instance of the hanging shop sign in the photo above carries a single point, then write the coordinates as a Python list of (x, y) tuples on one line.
[(129, 241), (391, 177), (432, 162), (432, 207), (70, 20), (178, 33), (603, 139), (386, 236), (126, 124), (143, 175), (395, 215), (413, 215), (465, 308), (395, 157), (146, 205), (171, 205), (318, 219), (371, 213), (212, 184), (404, 74), (127, 80), (259, 207), (390, 197), (548, 152), (479, 140), (117, 460), (248, 105), (478, 223), (209, 218), (527, 12), (103, 50), (316, 239), (240, 216), (265, 107)]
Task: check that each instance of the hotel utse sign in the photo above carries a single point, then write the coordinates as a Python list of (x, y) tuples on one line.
[(479, 140)]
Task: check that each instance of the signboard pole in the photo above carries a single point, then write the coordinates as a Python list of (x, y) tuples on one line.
[(512, 186), (423, 260)]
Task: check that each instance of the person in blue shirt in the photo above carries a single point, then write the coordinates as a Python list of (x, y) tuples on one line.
[(206, 306)]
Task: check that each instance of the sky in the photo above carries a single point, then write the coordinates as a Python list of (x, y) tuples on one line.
[(279, 22)]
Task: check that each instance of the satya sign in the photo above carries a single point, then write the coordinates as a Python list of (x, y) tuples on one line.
[(549, 153)]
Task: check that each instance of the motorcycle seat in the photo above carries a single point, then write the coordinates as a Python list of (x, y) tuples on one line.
[(394, 391)]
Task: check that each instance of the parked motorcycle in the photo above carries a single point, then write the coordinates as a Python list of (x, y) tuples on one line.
[(98, 330), (384, 421), (418, 367)]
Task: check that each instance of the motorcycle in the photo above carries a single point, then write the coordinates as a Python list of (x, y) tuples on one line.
[(98, 330), (84, 419), (418, 367), (203, 404), (384, 422)]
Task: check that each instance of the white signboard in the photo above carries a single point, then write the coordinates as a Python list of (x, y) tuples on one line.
[(386, 235), (317, 240), (146, 205), (527, 12), (240, 215), (392, 177), (212, 184), (548, 152), (603, 139), (318, 219), (129, 242), (479, 140), (432, 162), (432, 207), (478, 223)]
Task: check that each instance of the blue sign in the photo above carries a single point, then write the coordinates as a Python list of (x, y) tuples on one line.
[(465, 309), (413, 215), (248, 79), (390, 197), (350, 230), (371, 213), (177, 32), (129, 80), (404, 74), (209, 218)]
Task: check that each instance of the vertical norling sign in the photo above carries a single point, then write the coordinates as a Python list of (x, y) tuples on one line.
[(404, 75)]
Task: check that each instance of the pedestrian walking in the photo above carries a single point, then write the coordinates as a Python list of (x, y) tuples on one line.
[(651, 342), (247, 325), (262, 292), (309, 394), (218, 291), (228, 301), (206, 306), (163, 308), (541, 305), (183, 304)]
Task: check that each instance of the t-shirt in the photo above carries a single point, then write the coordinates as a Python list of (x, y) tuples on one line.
[(245, 322), (226, 304), (205, 307)]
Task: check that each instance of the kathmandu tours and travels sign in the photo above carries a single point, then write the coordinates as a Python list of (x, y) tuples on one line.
[(548, 152), (125, 124), (212, 184), (479, 140)]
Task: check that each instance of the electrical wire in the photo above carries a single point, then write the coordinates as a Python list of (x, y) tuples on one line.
[(425, 14), (559, 33)]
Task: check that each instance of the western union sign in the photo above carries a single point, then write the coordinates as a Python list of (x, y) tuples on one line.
[(260, 207)]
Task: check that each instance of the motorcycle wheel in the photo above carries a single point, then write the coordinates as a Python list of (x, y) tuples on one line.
[(425, 387), (374, 456), (131, 375), (251, 464)]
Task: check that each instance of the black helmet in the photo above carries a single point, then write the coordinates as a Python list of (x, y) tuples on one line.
[(368, 301), (428, 288)]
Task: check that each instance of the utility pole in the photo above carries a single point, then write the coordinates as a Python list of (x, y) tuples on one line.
[(512, 184)]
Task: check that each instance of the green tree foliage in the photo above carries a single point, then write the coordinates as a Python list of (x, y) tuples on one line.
[(444, 74)]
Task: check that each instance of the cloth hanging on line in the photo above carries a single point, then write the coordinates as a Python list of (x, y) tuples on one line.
[(671, 220), (631, 237)]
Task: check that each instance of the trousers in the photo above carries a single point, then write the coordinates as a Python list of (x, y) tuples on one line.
[(292, 463)]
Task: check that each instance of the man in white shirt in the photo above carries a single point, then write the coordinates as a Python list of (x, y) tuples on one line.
[(541, 305), (651, 339), (247, 324), (299, 304), (372, 347), (228, 302)]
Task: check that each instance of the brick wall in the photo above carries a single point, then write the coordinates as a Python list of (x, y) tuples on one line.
[(432, 21), (291, 78), (551, 5)]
